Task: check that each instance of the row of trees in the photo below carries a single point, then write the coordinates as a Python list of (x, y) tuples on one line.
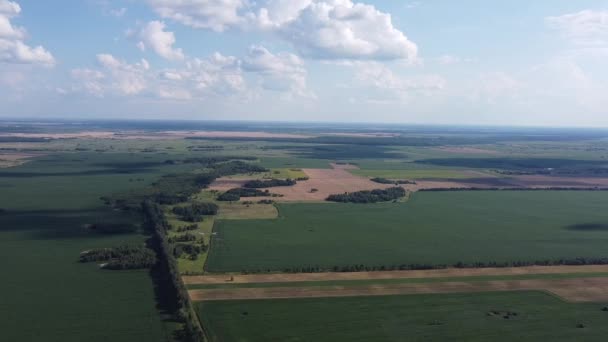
[(381, 180), (405, 267), (367, 196), (236, 194), (172, 289), (269, 183)]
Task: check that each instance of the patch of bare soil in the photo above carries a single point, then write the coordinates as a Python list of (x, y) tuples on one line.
[(576, 290), (321, 183), (14, 159), (325, 182), (442, 273)]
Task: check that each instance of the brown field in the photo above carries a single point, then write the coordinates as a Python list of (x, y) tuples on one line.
[(236, 134), (327, 181), (442, 273), (14, 159), (575, 290)]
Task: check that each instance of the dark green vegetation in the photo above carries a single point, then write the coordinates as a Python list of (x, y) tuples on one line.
[(371, 196), (47, 294), (179, 187), (504, 316), (194, 212), (121, 258), (172, 294), (507, 227), (258, 184), (236, 194), (381, 180)]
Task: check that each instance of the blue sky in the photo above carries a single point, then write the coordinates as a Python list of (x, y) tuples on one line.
[(542, 62)]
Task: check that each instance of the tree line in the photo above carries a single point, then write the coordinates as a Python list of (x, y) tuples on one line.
[(381, 180), (269, 183), (171, 287), (236, 194), (369, 196), (406, 267), (552, 188)]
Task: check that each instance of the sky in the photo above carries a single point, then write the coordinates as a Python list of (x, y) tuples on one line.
[(466, 62)]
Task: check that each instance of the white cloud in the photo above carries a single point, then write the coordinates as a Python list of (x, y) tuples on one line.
[(12, 47), (216, 15), (118, 12), (382, 77), (320, 29), (115, 77), (154, 36), (587, 27), (280, 72)]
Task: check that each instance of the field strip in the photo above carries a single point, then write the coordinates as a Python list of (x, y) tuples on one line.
[(573, 290), (339, 276)]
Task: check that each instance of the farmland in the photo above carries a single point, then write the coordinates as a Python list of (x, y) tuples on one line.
[(349, 257), (432, 228), (437, 317)]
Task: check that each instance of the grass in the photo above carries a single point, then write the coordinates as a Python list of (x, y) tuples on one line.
[(240, 211), (186, 265), (366, 282), (431, 228), (441, 317)]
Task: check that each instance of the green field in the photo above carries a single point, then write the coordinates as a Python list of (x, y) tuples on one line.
[(431, 228), (452, 317), (47, 294)]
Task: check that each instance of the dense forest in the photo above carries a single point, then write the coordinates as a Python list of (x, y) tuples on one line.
[(369, 196), (195, 211), (121, 258)]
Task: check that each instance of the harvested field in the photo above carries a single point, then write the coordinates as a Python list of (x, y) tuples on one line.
[(14, 159), (443, 273), (574, 290), (336, 180)]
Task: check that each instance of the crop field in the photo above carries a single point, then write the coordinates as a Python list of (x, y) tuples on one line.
[(431, 228), (500, 316), (47, 204), (415, 174)]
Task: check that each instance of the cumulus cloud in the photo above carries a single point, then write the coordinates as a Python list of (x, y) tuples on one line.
[(281, 72), (12, 46), (115, 77), (154, 36), (216, 15), (587, 27), (217, 75), (321, 29)]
